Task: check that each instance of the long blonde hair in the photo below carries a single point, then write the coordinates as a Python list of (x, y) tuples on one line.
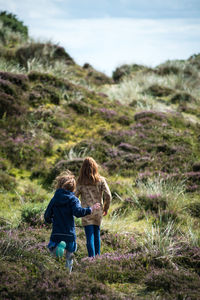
[(89, 172)]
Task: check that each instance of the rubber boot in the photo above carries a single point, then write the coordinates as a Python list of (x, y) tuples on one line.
[(60, 249)]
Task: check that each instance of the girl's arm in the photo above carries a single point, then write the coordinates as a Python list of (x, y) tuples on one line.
[(106, 197), (79, 211)]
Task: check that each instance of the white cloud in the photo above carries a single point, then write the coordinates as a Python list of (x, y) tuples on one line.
[(33, 9), (106, 43)]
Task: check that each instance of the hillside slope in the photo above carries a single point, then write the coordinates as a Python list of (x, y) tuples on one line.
[(143, 128)]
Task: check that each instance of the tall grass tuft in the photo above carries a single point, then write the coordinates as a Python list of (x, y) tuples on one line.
[(11, 66), (160, 240), (177, 77)]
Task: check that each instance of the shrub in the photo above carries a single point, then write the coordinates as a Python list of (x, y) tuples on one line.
[(11, 21), (181, 283), (18, 79), (7, 182), (114, 267), (9, 105), (81, 107), (182, 98), (7, 87), (158, 91), (63, 165), (32, 214), (95, 77), (12, 94), (194, 209), (96, 149), (126, 70), (118, 137), (50, 80), (13, 31), (125, 208), (154, 115), (42, 95), (33, 193), (153, 202), (25, 150), (196, 167), (46, 53), (164, 70)]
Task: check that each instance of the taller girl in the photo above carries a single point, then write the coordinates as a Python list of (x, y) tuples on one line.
[(93, 189)]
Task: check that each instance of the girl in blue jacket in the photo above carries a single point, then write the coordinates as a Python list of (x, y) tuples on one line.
[(60, 212)]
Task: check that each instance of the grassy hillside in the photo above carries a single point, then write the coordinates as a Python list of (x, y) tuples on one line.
[(143, 128)]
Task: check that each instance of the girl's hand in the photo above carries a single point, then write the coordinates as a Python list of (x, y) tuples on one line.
[(105, 213), (96, 206)]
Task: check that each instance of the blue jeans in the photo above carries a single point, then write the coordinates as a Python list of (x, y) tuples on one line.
[(93, 239)]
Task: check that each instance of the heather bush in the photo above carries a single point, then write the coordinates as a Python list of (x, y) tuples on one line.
[(81, 108), (41, 95), (194, 209), (162, 196), (8, 105), (12, 245), (188, 255), (63, 165), (167, 69), (45, 276), (95, 77), (114, 268), (127, 70), (7, 182), (33, 193), (196, 166), (32, 213), (182, 98), (158, 91), (26, 150), (39, 282), (8, 88), (50, 79), (153, 202), (12, 94), (19, 80), (118, 242), (150, 115), (179, 283), (46, 53)]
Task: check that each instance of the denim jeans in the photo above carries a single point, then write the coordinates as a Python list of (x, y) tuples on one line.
[(93, 239)]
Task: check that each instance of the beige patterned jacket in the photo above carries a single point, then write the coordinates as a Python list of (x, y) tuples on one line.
[(91, 194)]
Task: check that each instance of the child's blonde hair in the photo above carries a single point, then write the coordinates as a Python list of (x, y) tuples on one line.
[(65, 180)]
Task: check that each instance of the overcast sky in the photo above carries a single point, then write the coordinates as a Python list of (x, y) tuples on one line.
[(108, 33)]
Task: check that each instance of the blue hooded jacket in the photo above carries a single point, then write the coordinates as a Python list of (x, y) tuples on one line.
[(61, 211)]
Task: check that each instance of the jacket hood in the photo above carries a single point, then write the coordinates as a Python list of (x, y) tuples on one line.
[(62, 197)]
